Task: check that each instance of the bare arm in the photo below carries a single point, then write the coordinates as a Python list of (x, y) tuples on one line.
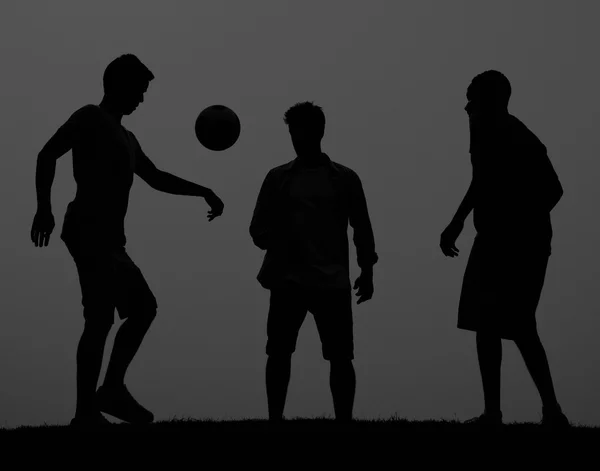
[(58, 145), (169, 183), (466, 205), (174, 185), (451, 233)]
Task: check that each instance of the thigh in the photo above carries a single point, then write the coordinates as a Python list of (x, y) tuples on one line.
[(287, 311), (332, 310), (133, 296), (96, 279)]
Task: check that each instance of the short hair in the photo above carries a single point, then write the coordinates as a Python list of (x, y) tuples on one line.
[(125, 71), (307, 115), (490, 86)]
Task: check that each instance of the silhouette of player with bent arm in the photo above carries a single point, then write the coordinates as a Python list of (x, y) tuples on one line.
[(301, 219), (105, 158), (513, 189)]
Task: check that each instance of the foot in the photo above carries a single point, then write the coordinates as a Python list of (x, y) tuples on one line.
[(487, 419), (554, 418), (89, 421), (118, 402)]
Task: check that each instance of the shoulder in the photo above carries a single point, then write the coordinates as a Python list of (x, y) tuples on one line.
[(87, 111), (278, 171), (524, 135), (84, 115), (345, 171), (131, 135)]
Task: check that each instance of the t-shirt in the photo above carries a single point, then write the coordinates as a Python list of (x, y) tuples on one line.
[(104, 157), (511, 170), (318, 259)]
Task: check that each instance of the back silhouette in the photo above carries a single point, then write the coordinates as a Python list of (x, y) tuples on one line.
[(513, 189), (301, 220), (106, 156)]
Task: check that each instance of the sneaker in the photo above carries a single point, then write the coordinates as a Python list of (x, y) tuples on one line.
[(486, 420), (554, 418), (118, 402), (94, 421)]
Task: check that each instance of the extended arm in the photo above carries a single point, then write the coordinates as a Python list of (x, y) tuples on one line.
[(169, 183)]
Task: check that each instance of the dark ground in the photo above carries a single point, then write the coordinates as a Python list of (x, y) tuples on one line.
[(393, 425)]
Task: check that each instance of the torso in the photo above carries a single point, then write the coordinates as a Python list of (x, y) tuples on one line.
[(103, 167)]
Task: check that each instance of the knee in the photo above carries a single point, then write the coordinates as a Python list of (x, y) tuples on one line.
[(146, 316), (528, 341), (98, 321)]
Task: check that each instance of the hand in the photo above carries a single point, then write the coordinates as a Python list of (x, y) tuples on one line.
[(216, 205), (448, 238), (364, 287), (42, 227)]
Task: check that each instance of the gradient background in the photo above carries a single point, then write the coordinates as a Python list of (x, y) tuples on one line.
[(391, 77)]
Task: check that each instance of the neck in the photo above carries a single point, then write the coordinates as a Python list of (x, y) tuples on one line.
[(109, 106), (311, 159)]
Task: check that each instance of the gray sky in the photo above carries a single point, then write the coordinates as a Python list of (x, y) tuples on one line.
[(391, 77)]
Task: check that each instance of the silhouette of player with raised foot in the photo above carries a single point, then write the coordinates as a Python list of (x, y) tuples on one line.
[(513, 189), (301, 220), (105, 158)]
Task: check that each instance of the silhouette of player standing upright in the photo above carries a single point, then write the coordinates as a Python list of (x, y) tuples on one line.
[(513, 189), (301, 219), (105, 158)]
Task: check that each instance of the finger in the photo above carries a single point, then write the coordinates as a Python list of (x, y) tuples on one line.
[(46, 239), (32, 235)]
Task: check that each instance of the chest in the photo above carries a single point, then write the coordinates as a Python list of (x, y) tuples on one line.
[(112, 151), (312, 189)]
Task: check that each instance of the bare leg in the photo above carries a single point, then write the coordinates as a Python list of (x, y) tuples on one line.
[(342, 380), (127, 343), (89, 362), (489, 352), (277, 379), (536, 361)]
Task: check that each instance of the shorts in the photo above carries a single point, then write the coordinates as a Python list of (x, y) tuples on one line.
[(109, 279), (501, 288), (332, 311)]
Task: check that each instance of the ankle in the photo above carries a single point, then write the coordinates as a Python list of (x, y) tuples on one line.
[(551, 408), (492, 412)]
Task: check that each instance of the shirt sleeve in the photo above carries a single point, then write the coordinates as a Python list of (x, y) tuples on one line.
[(360, 222), (70, 134), (262, 224), (540, 181)]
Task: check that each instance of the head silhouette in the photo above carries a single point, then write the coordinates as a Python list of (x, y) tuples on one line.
[(488, 94), (306, 123), (125, 81)]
